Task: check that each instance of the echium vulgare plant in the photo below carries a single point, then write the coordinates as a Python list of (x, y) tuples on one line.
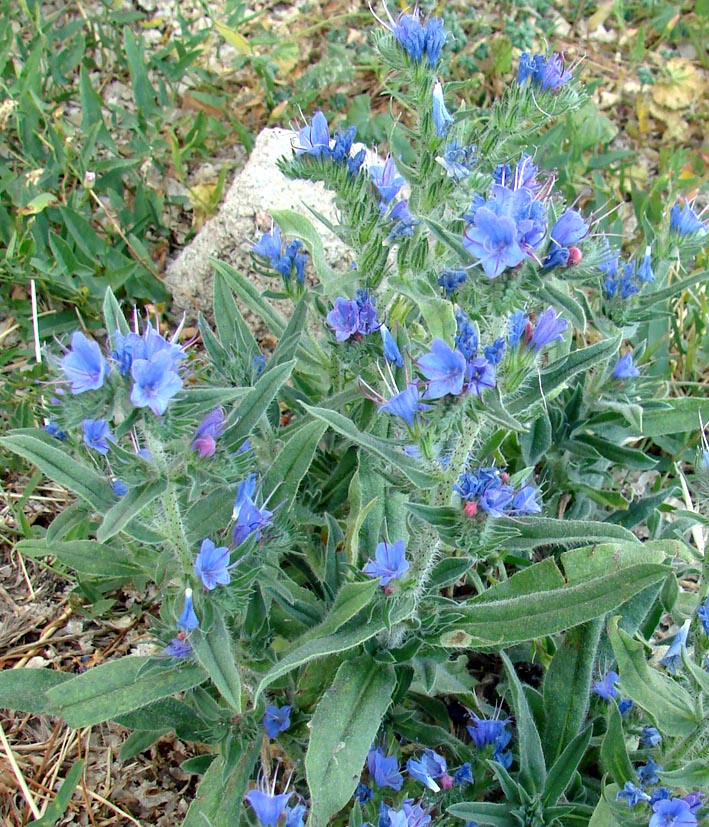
[(400, 554)]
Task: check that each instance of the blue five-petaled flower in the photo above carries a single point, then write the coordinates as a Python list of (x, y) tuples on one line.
[(276, 720), (389, 562), (84, 365), (212, 565), (97, 434)]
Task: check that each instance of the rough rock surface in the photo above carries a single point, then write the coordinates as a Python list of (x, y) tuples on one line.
[(257, 189)]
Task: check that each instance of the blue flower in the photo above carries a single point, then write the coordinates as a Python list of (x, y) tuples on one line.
[(314, 137), (624, 705), (684, 220), (84, 365), (493, 241), (556, 257), (442, 118), (343, 144), (458, 160), (188, 619), (391, 349), (363, 793), (389, 562), (155, 382), (386, 179), (126, 348), (208, 430), (693, 800), (54, 430), (606, 687), (624, 368), (250, 519), (384, 769), (632, 794), (406, 404), (525, 501), (703, 613), (496, 499), (295, 816), (120, 489), (464, 775), (212, 565), (428, 768), (269, 245), (650, 737), (444, 368), (569, 229), (466, 337), (524, 175), (479, 374), (547, 73), (673, 655), (450, 280), (97, 434), (268, 806), (495, 351), (672, 812), (549, 328), (489, 731), (417, 38), (179, 648), (368, 321), (647, 773), (517, 326), (644, 272), (276, 719)]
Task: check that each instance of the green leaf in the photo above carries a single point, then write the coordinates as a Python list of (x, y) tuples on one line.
[(692, 774), (113, 316), (234, 334), (292, 223), (214, 651), (556, 293), (292, 463), (674, 416), (566, 688), (449, 239), (41, 449), (603, 815), (669, 704), (56, 809), (388, 451), (537, 441), (589, 561), (532, 532), (619, 454), (119, 517), (532, 768), (250, 296), (25, 690), (553, 378), (562, 772), (495, 623), (254, 404), (288, 343), (84, 556), (342, 729), (142, 89), (363, 626), (219, 800), (484, 812), (116, 687), (614, 753)]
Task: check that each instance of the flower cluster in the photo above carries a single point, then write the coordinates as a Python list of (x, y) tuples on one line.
[(353, 318), (546, 73), (417, 36), (492, 731), (625, 280), (510, 225), (287, 259), (489, 490), (314, 140)]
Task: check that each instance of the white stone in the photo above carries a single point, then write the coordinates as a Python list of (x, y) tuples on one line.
[(229, 236)]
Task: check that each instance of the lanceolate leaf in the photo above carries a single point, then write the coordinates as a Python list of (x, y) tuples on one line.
[(390, 452), (363, 626), (118, 518), (251, 297), (24, 690), (116, 687), (533, 532), (342, 730), (292, 463), (84, 556), (668, 703), (501, 623), (54, 461), (214, 651), (565, 766), (254, 404), (614, 754), (484, 813), (532, 768)]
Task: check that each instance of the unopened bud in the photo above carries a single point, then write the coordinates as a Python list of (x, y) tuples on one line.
[(89, 179)]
